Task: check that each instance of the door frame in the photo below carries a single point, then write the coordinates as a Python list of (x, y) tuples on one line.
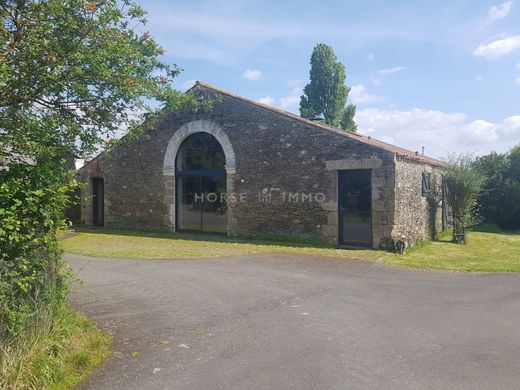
[(341, 191)]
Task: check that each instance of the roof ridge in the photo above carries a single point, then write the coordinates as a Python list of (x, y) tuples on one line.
[(354, 136)]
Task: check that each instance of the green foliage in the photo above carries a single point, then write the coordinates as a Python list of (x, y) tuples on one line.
[(499, 202), (434, 199), (463, 184), (514, 163), (347, 119), (57, 353), (32, 199), (326, 94), (71, 72)]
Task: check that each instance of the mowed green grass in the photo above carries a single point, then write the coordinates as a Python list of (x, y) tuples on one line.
[(485, 252), (147, 245)]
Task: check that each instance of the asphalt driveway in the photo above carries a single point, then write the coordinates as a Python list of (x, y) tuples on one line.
[(295, 322)]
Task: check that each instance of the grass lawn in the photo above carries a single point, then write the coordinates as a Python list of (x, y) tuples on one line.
[(485, 252), (58, 355)]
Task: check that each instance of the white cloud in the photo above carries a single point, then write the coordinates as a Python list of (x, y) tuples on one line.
[(269, 100), (359, 95), (498, 48), (439, 132), (293, 83), (478, 132), (292, 99), (208, 30), (517, 76), (289, 101), (511, 126), (188, 84), (500, 11), (252, 74), (392, 70), (371, 57)]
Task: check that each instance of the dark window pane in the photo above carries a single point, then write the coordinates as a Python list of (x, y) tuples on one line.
[(201, 185), (425, 183), (355, 207), (214, 211), (190, 203), (200, 152)]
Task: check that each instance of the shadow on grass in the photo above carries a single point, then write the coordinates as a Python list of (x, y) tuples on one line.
[(446, 237), (489, 228), (286, 241)]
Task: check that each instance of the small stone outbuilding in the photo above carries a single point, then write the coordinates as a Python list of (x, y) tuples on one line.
[(245, 168)]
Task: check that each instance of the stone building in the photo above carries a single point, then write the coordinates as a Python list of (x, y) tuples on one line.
[(245, 168)]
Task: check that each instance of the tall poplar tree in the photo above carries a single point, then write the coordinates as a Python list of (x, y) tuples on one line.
[(326, 94)]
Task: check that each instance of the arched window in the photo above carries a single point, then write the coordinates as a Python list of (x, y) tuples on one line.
[(200, 152), (201, 185)]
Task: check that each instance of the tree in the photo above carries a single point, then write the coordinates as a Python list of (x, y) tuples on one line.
[(499, 201), (347, 119), (326, 94), (514, 164), (71, 72), (463, 183)]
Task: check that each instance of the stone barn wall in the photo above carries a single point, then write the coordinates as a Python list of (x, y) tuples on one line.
[(416, 218), (275, 157)]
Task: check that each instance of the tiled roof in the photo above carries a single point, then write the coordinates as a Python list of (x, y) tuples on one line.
[(398, 151)]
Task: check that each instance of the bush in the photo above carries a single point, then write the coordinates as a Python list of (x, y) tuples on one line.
[(463, 184), (31, 272), (499, 201)]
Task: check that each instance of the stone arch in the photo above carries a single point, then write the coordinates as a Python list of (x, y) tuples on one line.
[(190, 128), (199, 126)]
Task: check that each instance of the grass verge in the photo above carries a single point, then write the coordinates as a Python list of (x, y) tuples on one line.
[(485, 252), (158, 245), (59, 355)]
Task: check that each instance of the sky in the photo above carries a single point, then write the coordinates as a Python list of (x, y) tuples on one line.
[(440, 74)]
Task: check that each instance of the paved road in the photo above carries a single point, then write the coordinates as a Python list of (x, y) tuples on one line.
[(294, 322)]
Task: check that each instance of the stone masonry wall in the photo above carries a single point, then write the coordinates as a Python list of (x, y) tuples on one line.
[(415, 219), (275, 156)]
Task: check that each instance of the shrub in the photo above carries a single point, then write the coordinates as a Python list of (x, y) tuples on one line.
[(499, 201), (31, 273), (463, 184)]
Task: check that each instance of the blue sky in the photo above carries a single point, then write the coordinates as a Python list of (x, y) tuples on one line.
[(443, 74)]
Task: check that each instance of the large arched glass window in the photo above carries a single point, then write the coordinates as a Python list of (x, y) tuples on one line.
[(200, 152), (201, 185)]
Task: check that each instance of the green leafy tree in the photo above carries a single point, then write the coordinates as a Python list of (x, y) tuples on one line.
[(71, 72), (326, 94), (347, 119), (463, 183), (499, 201), (514, 164)]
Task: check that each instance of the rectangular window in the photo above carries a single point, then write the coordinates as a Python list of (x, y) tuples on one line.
[(425, 183)]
